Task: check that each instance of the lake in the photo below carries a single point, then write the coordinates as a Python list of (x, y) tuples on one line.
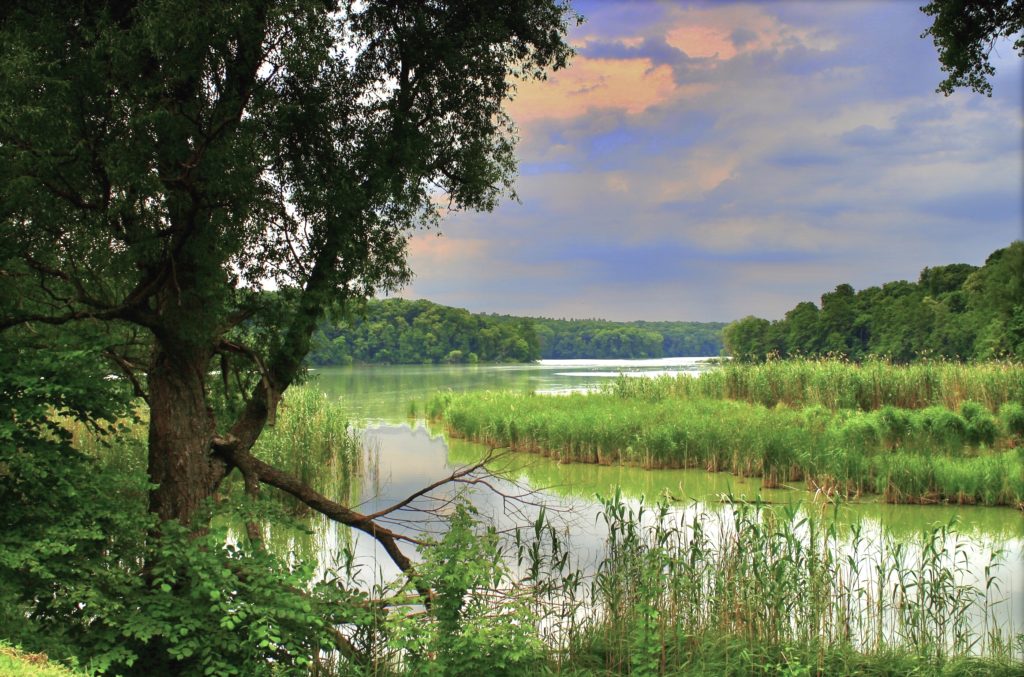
[(403, 453)]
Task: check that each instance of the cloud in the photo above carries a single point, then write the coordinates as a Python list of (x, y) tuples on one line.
[(765, 234), (722, 32), (713, 160), (430, 250), (629, 85)]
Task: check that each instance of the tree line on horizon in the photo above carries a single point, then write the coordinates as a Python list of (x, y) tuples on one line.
[(399, 331), (956, 311)]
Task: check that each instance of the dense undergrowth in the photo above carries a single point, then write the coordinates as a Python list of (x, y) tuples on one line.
[(86, 577), (17, 663), (921, 433)]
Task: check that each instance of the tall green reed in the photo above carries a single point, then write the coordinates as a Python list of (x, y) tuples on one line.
[(312, 439), (926, 455), (782, 589), (838, 384)]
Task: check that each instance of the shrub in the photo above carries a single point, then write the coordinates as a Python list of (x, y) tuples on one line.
[(1012, 416)]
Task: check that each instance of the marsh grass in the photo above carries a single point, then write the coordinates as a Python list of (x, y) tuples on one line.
[(312, 439), (838, 384), (759, 590), (926, 454)]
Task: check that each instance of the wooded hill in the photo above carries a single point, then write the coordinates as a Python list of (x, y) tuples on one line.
[(956, 311), (398, 331)]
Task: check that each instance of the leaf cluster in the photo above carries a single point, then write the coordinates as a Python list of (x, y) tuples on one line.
[(965, 33)]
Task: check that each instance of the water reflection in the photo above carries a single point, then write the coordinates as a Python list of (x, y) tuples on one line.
[(384, 392)]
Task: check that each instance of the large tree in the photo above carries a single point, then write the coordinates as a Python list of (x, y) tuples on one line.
[(163, 163)]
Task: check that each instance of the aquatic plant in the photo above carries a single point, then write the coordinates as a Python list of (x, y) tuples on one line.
[(838, 384), (755, 589), (891, 451)]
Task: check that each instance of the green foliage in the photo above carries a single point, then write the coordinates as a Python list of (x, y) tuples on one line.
[(217, 608), (601, 339), (1012, 416), (83, 576), (956, 312), (749, 338), (981, 425), (965, 34), (396, 331), (476, 624)]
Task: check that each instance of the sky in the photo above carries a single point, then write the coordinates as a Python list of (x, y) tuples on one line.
[(708, 161)]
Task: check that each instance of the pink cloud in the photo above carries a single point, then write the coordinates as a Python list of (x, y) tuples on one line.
[(433, 249), (723, 32), (630, 85)]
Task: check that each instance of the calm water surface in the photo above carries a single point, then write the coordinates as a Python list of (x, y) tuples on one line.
[(405, 453)]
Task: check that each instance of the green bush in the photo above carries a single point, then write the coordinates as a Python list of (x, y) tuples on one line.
[(472, 628), (981, 425), (1011, 414)]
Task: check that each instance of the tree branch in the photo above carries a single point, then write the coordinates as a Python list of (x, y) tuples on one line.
[(129, 371), (273, 397), (454, 477), (289, 484)]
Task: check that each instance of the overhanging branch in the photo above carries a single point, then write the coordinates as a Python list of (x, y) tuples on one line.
[(268, 474)]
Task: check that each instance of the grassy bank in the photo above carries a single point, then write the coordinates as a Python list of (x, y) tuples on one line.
[(718, 422)]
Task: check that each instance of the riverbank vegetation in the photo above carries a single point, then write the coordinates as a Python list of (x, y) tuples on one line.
[(913, 434), (747, 590), (957, 311), (841, 384), (396, 331), (743, 589), (758, 591)]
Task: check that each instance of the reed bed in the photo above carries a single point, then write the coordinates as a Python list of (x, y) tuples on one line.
[(838, 384), (758, 591), (313, 439), (909, 456)]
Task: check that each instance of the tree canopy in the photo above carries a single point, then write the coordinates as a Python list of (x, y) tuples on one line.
[(956, 311), (397, 331), (965, 33)]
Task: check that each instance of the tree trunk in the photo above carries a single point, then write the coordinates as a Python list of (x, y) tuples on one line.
[(181, 428)]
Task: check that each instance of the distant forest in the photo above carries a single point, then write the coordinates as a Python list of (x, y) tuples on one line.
[(957, 311), (397, 331)]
